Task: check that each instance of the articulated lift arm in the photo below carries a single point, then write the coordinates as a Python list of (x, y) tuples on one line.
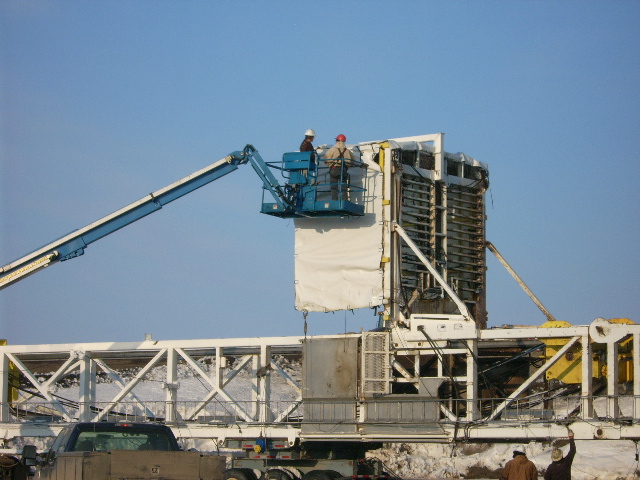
[(73, 244)]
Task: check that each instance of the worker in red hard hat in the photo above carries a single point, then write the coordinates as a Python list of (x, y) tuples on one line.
[(338, 158)]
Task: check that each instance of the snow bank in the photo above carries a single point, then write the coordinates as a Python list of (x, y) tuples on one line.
[(595, 460)]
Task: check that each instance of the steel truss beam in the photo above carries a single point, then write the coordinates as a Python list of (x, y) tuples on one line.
[(220, 412), (590, 416), (229, 358)]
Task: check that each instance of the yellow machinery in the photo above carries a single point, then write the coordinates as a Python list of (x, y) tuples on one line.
[(14, 376), (568, 368)]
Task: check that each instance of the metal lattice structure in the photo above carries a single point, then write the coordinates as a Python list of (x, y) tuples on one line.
[(426, 383), (438, 200)]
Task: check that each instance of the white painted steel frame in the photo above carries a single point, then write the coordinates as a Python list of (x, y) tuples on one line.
[(608, 425), (390, 243), (88, 359), (260, 419), (573, 334)]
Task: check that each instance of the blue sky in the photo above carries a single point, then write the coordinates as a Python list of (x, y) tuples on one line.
[(104, 102)]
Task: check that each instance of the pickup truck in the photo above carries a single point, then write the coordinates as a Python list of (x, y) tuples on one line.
[(105, 451)]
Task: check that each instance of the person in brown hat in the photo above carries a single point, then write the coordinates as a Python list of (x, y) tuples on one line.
[(560, 467), (519, 468)]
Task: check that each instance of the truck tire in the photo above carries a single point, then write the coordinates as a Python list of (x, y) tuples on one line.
[(276, 474), (333, 474), (12, 468), (240, 474), (365, 469), (320, 475)]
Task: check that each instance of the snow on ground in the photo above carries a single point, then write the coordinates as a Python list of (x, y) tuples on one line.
[(595, 460)]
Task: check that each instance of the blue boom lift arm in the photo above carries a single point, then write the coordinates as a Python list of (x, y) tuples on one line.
[(297, 198), (73, 244)]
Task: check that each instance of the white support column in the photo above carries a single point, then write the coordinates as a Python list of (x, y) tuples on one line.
[(586, 397), (171, 385), (612, 379), (87, 386), (264, 382), (438, 145), (255, 386), (391, 310), (416, 369), (472, 380), (444, 247), (5, 390), (219, 368)]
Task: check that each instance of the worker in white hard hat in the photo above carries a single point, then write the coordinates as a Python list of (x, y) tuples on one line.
[(306, 145), (520, 467)]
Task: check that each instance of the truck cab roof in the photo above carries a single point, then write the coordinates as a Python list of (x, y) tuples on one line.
[(105, 436)]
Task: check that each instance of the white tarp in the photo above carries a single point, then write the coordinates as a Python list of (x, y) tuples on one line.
[(337, 260)]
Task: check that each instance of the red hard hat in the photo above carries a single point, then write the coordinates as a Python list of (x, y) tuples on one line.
[(341, 138)]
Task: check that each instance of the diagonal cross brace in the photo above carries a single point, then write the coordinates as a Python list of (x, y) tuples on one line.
[(464, 311), (215, 390), (532, 379), (44, 388), (127, 389)]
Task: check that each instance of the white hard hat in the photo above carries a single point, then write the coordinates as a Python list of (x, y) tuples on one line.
[(310, 133)]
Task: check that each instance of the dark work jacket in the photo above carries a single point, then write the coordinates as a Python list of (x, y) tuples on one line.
[(561, 470), (306, 146), (520, 468)]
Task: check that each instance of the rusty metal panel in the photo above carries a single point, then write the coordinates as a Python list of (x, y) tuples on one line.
[(154, 464), (212, 467), (330, 368), (329, 384), (147, 464), (95, 465)]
